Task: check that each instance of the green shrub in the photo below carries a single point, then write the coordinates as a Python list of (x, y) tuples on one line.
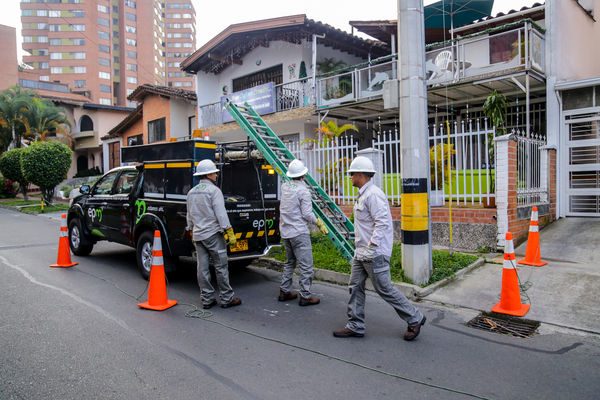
[(10, 167), (46, 164)]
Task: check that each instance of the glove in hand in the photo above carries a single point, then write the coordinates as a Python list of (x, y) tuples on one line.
[(366, 253), (322, 227), (231, 237)]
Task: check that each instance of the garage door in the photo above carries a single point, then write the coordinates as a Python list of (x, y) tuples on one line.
[(583, 164)]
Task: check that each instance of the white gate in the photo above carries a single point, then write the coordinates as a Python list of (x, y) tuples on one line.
[(582, 163)]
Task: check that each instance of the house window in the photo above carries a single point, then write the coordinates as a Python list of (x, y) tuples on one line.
[(135, 140), (156, 130), (273, 74)]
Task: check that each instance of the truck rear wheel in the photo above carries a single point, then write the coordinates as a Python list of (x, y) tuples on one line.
[(79, 243), (144, 255)]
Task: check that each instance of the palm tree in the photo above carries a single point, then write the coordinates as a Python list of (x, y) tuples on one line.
[(43, 119), (13, 103)]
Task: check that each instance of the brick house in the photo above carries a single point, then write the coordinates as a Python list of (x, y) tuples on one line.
[(164, 114)]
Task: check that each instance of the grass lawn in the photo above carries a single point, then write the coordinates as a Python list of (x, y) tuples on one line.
[(37, 208), (326, 256), (34, 205)]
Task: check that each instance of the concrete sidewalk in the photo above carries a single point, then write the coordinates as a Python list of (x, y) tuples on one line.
[(565, 293)]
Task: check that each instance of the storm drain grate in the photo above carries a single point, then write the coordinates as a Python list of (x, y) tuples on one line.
[(506, 325)]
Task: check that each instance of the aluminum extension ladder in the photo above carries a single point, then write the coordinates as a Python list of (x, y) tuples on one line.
[(341, 230)]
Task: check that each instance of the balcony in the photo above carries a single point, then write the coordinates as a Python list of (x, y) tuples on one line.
[(286, 96), (486, 56), (86, 140)]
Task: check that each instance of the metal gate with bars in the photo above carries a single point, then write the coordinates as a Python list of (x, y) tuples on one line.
[(582, 163)]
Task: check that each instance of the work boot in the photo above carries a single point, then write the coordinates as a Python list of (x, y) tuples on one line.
[(311, 301), (413, 330), (236, 301), (347, 332), (212, 303), (285, 296)]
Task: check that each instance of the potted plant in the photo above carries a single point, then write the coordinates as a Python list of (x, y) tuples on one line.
[(495, 109), (440, 169)]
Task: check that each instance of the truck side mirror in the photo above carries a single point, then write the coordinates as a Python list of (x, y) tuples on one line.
[(84, 189)]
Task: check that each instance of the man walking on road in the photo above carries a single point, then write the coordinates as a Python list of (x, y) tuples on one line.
[(295, 215), (207, 219), (373, 248)]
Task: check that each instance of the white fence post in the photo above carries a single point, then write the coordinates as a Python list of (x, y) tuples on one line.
[(501, 164)]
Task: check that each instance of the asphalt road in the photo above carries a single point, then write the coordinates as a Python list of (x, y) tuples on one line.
[(78, 333)]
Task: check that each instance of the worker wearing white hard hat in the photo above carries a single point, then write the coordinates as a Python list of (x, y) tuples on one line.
[(295, 217), (374, 236), (207, 219)]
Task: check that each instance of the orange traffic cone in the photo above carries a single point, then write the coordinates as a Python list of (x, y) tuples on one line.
[(157, 288), (64, 251), (533, 252), (510, 298)]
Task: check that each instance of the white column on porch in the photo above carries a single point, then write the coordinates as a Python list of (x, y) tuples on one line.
[(501, 163), (376, 157)]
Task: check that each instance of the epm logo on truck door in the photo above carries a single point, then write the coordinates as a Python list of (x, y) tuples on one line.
[(94, 213), (261, 223)]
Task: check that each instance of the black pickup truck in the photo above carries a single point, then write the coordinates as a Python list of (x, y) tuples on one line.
[(128, 203)]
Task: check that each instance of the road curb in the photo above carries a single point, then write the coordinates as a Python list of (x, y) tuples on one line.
[(411, 291)]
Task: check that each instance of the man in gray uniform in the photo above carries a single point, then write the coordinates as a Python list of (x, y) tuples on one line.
[(207, 219), (295, 215), (374, 239)]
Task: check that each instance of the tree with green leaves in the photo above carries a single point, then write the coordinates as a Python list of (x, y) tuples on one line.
[(46, 164), (13, 105), (495, 108), (42, 119), (10, 166)]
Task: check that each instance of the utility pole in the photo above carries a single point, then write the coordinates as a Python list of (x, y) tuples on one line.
[(414, 170)]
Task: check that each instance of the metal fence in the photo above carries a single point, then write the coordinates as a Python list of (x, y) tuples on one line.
[(389, 145), (461, 163), (530, 187), (327, 162), (461, 159)]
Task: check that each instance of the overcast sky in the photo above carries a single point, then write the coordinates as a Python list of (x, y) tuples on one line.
[(213, 17)]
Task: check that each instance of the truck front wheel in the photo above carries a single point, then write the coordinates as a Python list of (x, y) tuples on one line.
[(144, 255), (79, 243)]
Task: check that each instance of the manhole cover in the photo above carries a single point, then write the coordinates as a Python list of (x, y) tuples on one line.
[(504, 324)]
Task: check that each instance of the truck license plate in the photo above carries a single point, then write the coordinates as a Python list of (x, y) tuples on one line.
[(240, 245)]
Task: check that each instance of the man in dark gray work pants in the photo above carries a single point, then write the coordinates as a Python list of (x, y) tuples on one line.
[(374, 240), (207, 219), (295, 215)]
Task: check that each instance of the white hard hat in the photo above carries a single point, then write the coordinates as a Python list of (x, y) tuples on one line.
[(361, 164), (206, 167), (296, 169)]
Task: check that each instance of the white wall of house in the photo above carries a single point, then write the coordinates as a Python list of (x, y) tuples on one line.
[(576, 33), (290, 55), (181, 110)]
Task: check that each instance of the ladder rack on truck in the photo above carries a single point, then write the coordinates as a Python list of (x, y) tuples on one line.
[(341, 230)]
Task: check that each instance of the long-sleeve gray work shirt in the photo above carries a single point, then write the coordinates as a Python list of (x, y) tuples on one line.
[(295, 210), (373, 220), (206, 214)]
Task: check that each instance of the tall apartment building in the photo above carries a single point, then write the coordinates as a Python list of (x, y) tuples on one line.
[(106, 48)]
